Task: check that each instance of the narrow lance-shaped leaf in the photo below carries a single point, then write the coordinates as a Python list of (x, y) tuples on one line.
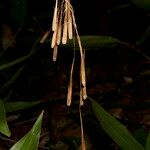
[(31, 139), (20, 59), (145, 36), (15, 106), (11, 80), (115, 129), (95, 42), (148, 142), (142, 4), (3, 122), (14, 62)]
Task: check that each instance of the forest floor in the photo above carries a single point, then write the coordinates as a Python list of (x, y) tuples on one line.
[(117, 78)]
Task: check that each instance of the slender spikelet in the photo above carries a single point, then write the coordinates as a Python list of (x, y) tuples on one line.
[(59, 29), (70, 30), (54, 38), (82, 69), (45, 37), (82, 65), (64, 36), (54, 23), (59, 34), (81, 97), (63, 25), (83, 93), (69, 94), (55, 49), (83, 145), (83, 78)]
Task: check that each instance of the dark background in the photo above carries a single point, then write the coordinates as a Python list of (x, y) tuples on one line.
[(117, 77)]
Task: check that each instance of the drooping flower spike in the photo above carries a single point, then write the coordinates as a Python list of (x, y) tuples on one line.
[(63, 25)]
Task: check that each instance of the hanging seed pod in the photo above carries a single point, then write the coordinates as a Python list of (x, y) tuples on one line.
[(54, 39), (70, 30), (55, 49), (63, 25), (69, 94), (54, 23), (45, 37), (59, 29), (64, 36)]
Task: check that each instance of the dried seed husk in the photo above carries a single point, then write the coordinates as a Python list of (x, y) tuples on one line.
[(54, 23), (55, 50), (65, 26), (69, 94), (54, 38), (70, 29), (45, 36)]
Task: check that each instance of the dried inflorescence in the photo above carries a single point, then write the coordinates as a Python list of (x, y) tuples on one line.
[(64, 28)]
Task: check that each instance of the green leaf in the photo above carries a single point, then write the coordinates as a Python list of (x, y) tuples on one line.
[(20, 59), (145, 73), (19, 11), (3, 123), (15, 106), (140, 134), (142, 4), (94, 42), (11, 80), (120, 7), (14, 62), (148, 142), (31, 139), (115, 129), (145, 36)]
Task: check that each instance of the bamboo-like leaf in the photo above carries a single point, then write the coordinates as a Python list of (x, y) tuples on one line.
[(120, 7), (15, 106), (31, 139), (20, 59), (3, 122), (141, 135), (94, 42), (115, 129), (11, 80), (14, 62), (148, 142), (142, 4), (145, 73), (145, 36)]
